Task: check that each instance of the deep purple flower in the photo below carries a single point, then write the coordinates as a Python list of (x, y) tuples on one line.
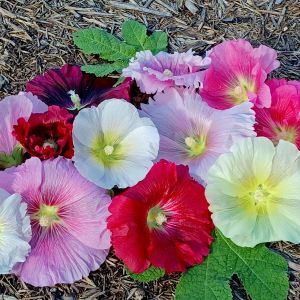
[(69, 87)]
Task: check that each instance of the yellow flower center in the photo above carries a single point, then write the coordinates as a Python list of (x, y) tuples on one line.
[(107, 149), (47, 215), (168, 73), (285, 133), (75, 99), (195, 146), (239, 92), (156, 218)]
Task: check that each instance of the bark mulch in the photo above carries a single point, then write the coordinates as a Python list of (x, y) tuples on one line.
[(35, 35)]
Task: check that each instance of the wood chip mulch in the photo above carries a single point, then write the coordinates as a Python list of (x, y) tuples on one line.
[(36, 35)]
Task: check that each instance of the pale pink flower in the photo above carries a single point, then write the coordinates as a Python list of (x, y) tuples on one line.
[(154, 73), (68, 218)]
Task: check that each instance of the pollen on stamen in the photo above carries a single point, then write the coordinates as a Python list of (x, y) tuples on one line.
[(160, 219), (108, 150), (168, 72), (75, 99)]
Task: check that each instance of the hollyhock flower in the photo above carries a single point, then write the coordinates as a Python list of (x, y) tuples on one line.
[(113, 145), (237, 73), (282, 119), (153, 73), (11, 109), (194, 134), (254, 192), (68, 218), (69, 87), (15, 231), (162, 221), (46, 135)]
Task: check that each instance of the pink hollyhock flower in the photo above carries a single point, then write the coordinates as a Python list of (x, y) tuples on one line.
[(282, 119), (237, 73), (69, 87), (11, 109), (68, 218), (46, 135), (194, 134), (162, 221), (153, 73)]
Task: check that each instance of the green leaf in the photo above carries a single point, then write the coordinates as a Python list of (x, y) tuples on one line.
[(134, 33), (156, 42), (96, 41), (104, 69), (119, 81), (149, 275), (263, 273), (13, 159)]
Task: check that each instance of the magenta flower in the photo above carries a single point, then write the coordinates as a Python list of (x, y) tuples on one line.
[(69, 87), (194, 134), (237, 73), (154, 73), (11, 109), (68, 218)]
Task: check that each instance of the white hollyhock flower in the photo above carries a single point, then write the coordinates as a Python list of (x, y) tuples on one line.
[(15, 231), (113, 144)]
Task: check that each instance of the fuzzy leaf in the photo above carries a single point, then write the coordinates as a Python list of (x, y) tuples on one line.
[(119, 81), (134, 33), (104, 69), (156, 42), (263, 273), (149, 275), (96, 41), (13, 159)]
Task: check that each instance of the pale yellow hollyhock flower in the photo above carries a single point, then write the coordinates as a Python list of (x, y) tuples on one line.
[(254, 192)]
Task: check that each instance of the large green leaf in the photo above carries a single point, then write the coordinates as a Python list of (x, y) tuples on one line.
[(134, 33), (13, 159), (263, 273), (156, 42), (104, 69), (96, 41)]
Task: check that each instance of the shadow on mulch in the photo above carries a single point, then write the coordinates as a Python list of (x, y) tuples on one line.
[(35, 35)]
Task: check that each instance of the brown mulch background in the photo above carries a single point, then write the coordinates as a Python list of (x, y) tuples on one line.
[(35, 35)]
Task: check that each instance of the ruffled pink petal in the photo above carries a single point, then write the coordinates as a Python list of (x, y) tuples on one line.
[(267, 57)]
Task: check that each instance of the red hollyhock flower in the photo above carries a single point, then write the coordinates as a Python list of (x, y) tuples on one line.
[(282, 119), (162, 221), (46, 135)]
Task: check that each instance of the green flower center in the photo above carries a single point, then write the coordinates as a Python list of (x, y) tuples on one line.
[(75, 99), (51, 144), (47, 215), (168, 73), (156, 218), (195, 146), (107, 150), (260, 195), (285, 133)]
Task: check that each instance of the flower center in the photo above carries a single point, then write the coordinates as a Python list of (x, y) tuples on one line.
[(108, 150), (239, 92), (260, 195), (168, 73), (286, 133), (51, 144), (196, 146), (156, 218), (75, 99), (47, 215)]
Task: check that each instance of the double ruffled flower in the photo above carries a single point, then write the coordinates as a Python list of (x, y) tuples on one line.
[(68, 218), (11, 109), (15, 231), (237, 73), (69, 87), (162, 221), (154, 73), (113, 145), (282, 119), (46, 135), (194, 134), (254, 192)]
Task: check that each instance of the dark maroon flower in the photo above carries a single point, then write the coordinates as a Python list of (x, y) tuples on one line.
[(69, 87), (46, 135)]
